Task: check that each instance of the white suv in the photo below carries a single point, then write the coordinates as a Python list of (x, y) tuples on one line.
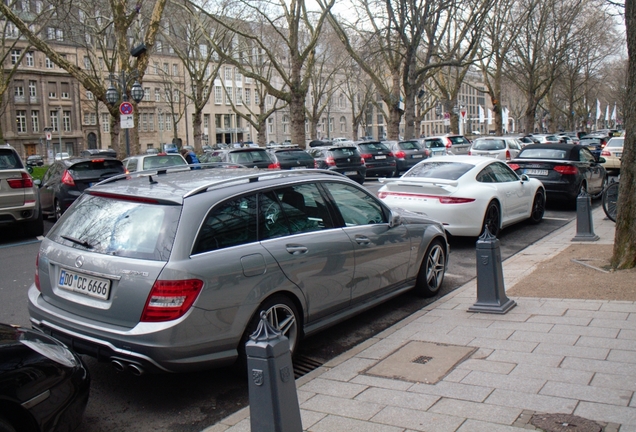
[(19, 200)]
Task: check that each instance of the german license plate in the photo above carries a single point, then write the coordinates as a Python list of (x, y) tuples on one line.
[(86, 284), (536, 172), (380, 157), (297, 168), (416, 156), (618, 154), (351, 172)]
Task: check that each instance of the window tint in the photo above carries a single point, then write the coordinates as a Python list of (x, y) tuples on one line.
[(439, 170), (435, 143), (356, 206), (304, 208), (343, 152), (132, 165), (458, 140), (122, 228), (539, 153), (586, 156), (229, 224), (409, 145), (98, 165), (503, 173), (373, 147), (152, 162), (9, 160), (615, 142), (489, 144), (293, 155), (486, 176)]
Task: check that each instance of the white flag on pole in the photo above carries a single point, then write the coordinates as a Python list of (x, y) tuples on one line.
[(598, 109), (489, 116), (481, 114), (614, 112), (607, 112), (504, 119)]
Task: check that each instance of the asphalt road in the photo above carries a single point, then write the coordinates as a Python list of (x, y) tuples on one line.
[(191, 402)]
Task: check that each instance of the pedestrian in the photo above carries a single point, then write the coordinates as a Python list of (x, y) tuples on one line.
[(189, 156)]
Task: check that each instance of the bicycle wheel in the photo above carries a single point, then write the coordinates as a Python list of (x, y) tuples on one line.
[(610, 197)]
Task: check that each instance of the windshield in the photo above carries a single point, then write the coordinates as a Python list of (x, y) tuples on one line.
[(162, 161), (409, 145), (541, 153), (117, 227), (439, 170), (489, 144)]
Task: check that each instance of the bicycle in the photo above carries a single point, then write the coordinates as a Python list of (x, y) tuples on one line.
[(610, 197)]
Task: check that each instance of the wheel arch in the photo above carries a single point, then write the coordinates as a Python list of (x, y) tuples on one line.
[(16, 414)]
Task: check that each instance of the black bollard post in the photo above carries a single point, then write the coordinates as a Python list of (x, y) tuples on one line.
[(584, 222), (272, 388), (491, 293)]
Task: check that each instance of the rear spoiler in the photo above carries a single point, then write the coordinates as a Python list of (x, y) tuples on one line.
[(418, 182)]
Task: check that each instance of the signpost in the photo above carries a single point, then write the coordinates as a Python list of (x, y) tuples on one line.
[(126, 119), (462, 118)]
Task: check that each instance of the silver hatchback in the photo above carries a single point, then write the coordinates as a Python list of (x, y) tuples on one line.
[(169, 271)]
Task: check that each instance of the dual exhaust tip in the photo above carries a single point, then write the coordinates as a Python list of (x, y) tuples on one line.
[(124, 366)]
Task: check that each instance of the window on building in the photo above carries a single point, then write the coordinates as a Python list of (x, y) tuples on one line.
[(229, 95), (165, 68), (159, 46), (66, 119), (168, 122), (175, 95), (35, 120), (160, 117), (175, 69), (247, 99), (105, 122), (238, 77), (66, 90), (89, 95), (151, 122), (147, 94), (54, 119), (50, 33), (341, 101), (270, 100), (29, 59), (228, 73), (218, 95), (206, 91), (33, 89), (270, 125), (155, 68), (48, 63), (38, 7), (343, 124), (18, 90), (52, 90), (59, 35), (144, 122), (87, 63), (15, 56), (239, 96), (257, 98), (285, 124), (20, 121), (101, 63)]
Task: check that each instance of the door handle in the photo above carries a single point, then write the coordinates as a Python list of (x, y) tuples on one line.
[(296, 250), (362, 240)]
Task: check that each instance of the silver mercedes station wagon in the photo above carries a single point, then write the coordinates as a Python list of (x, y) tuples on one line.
[(159, 271)]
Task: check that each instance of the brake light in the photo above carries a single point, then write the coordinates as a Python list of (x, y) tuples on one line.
[(390, 154), (275, 165), (125, 197), (508, 155), (37, 272), (25, 181), (470, 152), (605, 153), (514, 166), (67, 179), (442, 199), (366, 156), (169, 300), (449, 143), (330, 161), (97, 160), (566, 169), (316, 164), (400, 154)]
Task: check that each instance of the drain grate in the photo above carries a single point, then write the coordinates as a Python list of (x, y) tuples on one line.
[(564, 423), (422, 360), (303, 365)]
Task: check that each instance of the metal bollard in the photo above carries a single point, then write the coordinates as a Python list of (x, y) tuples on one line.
[(584, 223), (272, 388), (491, 293)]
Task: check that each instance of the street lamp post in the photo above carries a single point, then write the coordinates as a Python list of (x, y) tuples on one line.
[(136, 91), (59, 127), (161, 126)]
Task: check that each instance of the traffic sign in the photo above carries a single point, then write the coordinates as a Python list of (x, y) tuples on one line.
[(126, 121), (48, 136), (463, 113), (126, 108)]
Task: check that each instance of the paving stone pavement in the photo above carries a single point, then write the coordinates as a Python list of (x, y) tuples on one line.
[(544, 356)]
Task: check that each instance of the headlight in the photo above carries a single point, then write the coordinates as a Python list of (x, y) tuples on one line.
[(48, 347)]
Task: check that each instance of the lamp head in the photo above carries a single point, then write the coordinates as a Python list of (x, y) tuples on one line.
[(137, 92), (112, 95)]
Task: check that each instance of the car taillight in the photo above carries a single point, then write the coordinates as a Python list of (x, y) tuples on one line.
[(442, 199), (400, 154), (366, 156), (97, 160), (169, 300), (67, 178), (316, 164), (390, 154), (449, 143), (470, 152), (37, 272), (566, 169), (452, 200), (605, 153), (513, 166), (330, 161), (275, 165), (24, 182), (508, 155)]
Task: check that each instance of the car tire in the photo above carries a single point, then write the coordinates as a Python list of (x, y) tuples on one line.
[(282, 314), (57, 210), (492, 218), (538, 207), (36, 227), (431, 274), (5, 426)]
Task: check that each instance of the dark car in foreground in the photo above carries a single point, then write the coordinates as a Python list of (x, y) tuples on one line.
[(564, 169), (378, 158), (291, 158), (66, 179), (19, 198), (43, 386), (98, 153), (250, 157), (173, 274), (345, 160), (595, 143), (35, 160)]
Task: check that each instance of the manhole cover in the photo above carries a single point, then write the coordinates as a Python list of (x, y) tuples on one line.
[(422, 359), (564, 423)]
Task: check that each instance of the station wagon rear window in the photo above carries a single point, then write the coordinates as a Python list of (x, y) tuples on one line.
[(490, 144), (119, 227)]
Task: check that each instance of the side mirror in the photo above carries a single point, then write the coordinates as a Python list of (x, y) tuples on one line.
[(29, 169), (601, 160), (37, 182), (395, 219), (524, 178)]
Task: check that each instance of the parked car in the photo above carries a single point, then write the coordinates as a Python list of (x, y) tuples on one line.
[(434, 147), (67, 179), (545, 138), (248, 157), (35, 160), (170, 148), (19, 198), (455, 144), (564, 169), (89, 153), (528, 139), (407, 154), (612, 153), (153, 277), (152, 150), (595, 143), (378, 158), (43, 385), (291, 158), (466, 193), (345, 160), (502, 148), (60, 156), (154, 161)]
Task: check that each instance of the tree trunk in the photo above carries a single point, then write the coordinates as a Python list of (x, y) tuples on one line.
[(261, 133), (297, 111), (196, 130), (624, 256)]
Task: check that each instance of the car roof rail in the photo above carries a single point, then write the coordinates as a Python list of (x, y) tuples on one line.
[(257, 176)]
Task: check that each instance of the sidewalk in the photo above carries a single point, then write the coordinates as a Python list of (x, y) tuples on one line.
[(446, 369)]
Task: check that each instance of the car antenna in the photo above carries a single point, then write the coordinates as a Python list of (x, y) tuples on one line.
[(152, 181)]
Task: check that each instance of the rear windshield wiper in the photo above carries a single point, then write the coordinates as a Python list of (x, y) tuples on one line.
[(84, 243)]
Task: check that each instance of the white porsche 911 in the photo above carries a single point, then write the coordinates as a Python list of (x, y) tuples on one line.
[(466, 193)]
